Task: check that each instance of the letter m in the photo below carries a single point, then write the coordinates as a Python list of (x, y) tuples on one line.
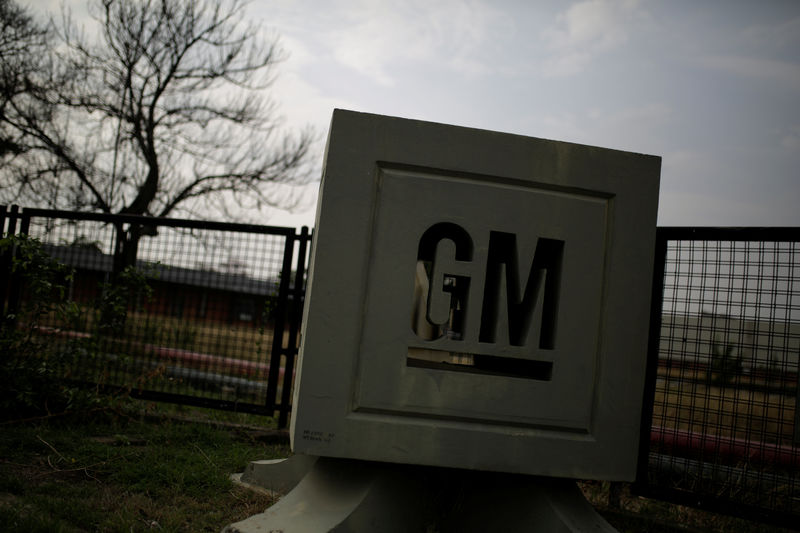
[(542, 288)]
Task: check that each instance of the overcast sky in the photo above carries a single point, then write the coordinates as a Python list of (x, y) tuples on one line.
[(711, 87)]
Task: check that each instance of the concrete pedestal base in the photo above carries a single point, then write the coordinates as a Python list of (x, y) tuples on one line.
[(348, 496), (277, 476)]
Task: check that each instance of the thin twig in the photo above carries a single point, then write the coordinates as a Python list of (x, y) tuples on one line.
[(204, 455), (52, 448), (84, 468)]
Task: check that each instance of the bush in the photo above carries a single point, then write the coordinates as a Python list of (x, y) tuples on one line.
[(128, 286), (32, 365)]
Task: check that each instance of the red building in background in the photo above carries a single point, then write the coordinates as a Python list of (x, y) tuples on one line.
[(192, 294)]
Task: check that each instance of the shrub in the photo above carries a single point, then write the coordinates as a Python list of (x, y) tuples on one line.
[(34, 365)]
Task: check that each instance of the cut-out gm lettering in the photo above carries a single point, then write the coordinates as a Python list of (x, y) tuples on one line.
[(526, 296)]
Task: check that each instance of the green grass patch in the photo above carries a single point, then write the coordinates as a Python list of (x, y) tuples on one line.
[(630, 513), (166, 468), (111, 472)]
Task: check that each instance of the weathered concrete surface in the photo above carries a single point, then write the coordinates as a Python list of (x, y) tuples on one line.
[(547, 381), (277, 476), (346, 496)]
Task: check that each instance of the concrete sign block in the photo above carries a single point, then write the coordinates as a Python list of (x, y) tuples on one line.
[(476, 300)]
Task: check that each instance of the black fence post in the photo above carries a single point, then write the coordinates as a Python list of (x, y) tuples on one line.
[(295, 318), (12, 219), (5, 261), (119, 238), (280, 320), (12, 296), (651, 372)]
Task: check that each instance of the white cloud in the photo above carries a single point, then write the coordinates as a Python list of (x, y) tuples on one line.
[(449, 33), (633, 128), (783, 35), (297, 53), (586, 29), (698, 188), (647, 114), (688, 168), (565, 126), (791, 141), (725, 207), (771, 70), (307, 104)]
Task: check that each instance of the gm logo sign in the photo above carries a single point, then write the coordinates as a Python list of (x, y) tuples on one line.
[(517, 292), (477, 287), (476, 300)]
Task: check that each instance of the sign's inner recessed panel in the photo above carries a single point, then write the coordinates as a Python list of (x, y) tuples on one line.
[(484, 300)]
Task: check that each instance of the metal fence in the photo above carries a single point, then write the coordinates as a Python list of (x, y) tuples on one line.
[(202, 313), (720, 424)]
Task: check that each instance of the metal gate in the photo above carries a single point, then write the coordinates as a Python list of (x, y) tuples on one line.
[(195, 312), (721, 424)]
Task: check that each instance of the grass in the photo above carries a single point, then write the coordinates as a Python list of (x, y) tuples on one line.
[(165, 467), (756, 417), (629, 513), (129, 472), (739, 412)]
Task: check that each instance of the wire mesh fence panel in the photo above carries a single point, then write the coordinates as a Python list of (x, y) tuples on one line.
[(723, 380), (178, 310)]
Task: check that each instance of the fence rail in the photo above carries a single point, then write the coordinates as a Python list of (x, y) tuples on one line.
[(212, 318), (720, 418)]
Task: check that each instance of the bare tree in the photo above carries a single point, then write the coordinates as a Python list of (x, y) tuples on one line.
[(24, 69), (165, 112)]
